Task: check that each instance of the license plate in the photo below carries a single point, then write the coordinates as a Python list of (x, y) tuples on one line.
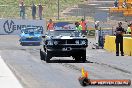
[(66, 48)]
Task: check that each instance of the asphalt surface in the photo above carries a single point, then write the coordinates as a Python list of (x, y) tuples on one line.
[(25, 63)]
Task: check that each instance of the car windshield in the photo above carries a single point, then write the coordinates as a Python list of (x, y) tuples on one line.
[(64, 33), (31, 30)]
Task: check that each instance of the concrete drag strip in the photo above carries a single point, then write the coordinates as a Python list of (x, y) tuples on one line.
[(34, 73), (7, 78)]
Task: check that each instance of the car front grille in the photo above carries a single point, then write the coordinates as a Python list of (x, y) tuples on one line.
[(68, 41), (31, 39)]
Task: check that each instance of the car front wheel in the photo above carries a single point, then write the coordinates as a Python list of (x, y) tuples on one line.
[(83, 56), (48, 56), (42, 55)]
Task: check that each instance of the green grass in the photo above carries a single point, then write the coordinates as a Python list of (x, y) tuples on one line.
[(10, 8)]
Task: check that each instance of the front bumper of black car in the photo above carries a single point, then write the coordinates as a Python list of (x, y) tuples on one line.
[(65, 47), (66, 51)]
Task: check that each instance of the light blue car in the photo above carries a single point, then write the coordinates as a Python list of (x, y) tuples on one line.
[(30, 36)]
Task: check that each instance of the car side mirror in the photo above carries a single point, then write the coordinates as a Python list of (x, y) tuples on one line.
[(83, 35), (43, 36)]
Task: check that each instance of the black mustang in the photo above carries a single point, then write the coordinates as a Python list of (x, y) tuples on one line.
[(64, 43)]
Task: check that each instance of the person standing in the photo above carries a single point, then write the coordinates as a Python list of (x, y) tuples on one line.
[(116, 3), (129, 29), (40, 9), (97, 33), (78, 26), (33, 11), (22, 10), (83, 24), (50, 25), (124, 5), (119, 39)]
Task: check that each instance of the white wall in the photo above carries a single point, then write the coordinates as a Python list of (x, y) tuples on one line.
[(14, 26)]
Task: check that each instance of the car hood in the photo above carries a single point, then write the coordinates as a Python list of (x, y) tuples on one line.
[(65, 37), (29, 35)]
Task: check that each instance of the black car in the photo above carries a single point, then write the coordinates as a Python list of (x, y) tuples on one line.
[(64, 43)]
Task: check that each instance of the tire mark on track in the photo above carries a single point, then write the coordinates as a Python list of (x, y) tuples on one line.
[(110, 66)]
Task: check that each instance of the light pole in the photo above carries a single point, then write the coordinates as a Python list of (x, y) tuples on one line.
[(58, 9)]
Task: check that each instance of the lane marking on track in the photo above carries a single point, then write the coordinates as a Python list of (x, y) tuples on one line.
[(7, 78)]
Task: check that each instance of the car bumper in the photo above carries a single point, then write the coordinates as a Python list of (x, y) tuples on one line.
[(66, 52), (30, 42), (68, 49)]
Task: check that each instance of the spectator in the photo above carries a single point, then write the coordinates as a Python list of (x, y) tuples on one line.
[(119, 39), (83, 24), (50, 25), (33, 10), (40, 9), (116, 3), (22, 10), (96, 25), (129, 29), (124, 5), (78, 26), (97, 33)]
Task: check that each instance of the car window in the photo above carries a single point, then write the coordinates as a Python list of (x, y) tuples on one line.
[(64, 33), (31, 31)]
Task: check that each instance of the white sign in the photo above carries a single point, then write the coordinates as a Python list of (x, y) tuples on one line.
[(14, 26)]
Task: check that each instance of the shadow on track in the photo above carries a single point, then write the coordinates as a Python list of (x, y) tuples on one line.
[(68, 61)]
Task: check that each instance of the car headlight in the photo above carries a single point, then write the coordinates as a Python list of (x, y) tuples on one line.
[(83, 42), (49, 43), (55, 42), (39, 36), (77, 41)]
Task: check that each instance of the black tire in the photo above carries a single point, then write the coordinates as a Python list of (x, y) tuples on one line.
[(47, 60), (42, 55), (48, 56), (83, 56), (77, 58), (80, 56), (22, 44)]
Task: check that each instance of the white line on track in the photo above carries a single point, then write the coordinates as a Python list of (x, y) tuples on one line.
[(7, 78)]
